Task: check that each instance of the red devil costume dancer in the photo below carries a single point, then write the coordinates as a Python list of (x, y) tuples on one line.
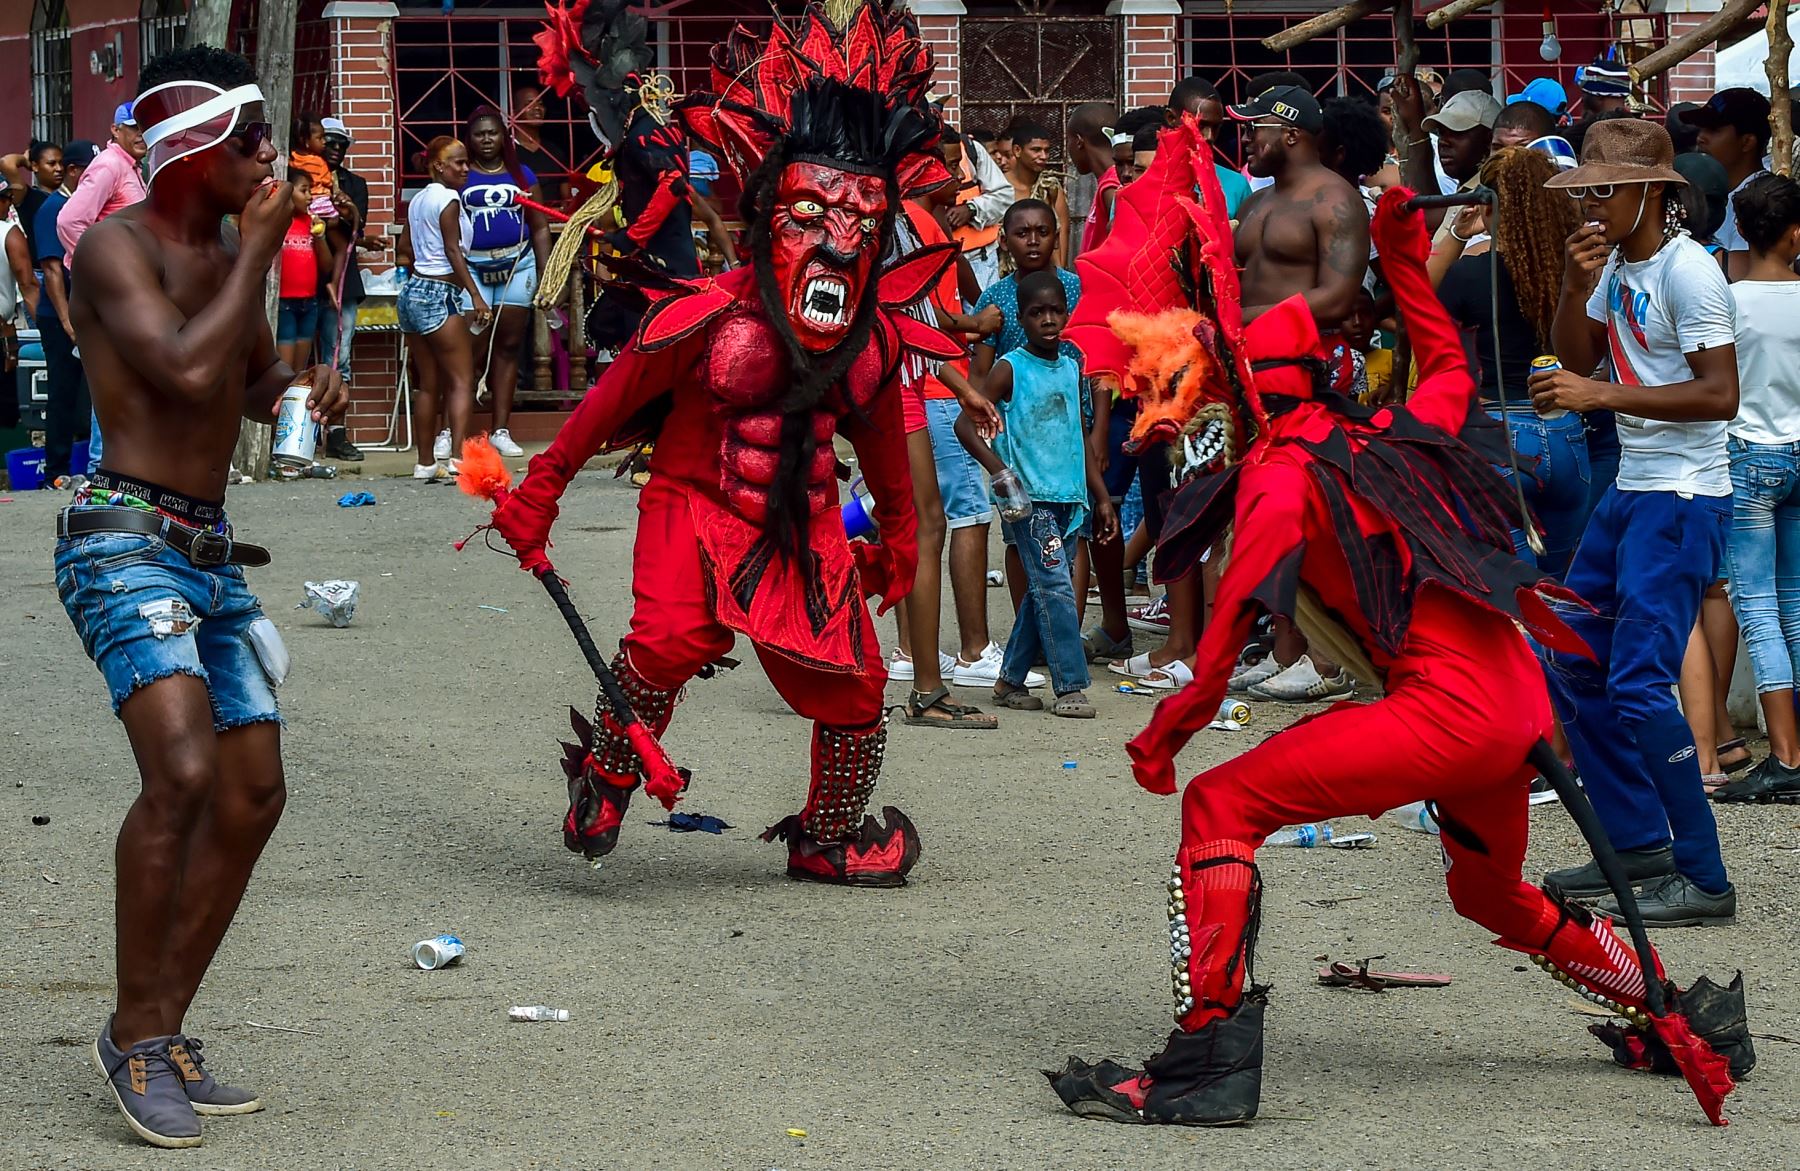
[(1394, 520), (745, 380)]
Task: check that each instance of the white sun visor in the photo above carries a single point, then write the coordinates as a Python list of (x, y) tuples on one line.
[(180, 118)]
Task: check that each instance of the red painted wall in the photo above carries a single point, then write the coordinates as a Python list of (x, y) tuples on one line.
[(97, 23), (15, 76)]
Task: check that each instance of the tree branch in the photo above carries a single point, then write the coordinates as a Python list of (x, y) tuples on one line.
[(1452, 10), (1781, 113), (1677, 51), (1326, 22)]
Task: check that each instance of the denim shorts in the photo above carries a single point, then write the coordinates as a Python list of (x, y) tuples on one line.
[(517, 282), (145, 613), (960, 480), (297, 319), (426, 303)]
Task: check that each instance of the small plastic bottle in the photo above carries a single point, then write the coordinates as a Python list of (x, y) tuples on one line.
[(1303, 836), (538, 1012), (1416, 817), (1010, 496)]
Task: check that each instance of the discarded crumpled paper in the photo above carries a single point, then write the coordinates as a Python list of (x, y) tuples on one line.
[(336, 600)]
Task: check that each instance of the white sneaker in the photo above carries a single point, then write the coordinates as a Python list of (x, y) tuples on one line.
[(1261, 671), (985, 670), (901, 667), (429, 473), (503, 443), (1302, 683), (440, 447)]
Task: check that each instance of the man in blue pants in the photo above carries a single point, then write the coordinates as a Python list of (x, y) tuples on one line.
[(1662, 314)]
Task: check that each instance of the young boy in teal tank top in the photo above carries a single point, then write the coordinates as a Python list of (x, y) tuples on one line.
[(1038, 391)]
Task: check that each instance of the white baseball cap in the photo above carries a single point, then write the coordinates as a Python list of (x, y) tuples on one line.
[(335, 128)]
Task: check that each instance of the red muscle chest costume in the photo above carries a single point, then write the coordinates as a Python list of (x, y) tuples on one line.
[(1394, 520)]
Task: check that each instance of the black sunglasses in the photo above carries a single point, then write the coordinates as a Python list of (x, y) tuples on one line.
[(251, 135)]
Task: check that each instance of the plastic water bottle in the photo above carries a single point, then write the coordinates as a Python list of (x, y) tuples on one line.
[(1010, 496), (1416, 816), (1303, 836), (538, 1012)]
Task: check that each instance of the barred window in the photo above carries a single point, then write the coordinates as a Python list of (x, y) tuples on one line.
[(162, 28), (52, 70)]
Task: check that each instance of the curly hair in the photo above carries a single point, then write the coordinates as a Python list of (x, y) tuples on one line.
[(216, 66), (1529, 230)]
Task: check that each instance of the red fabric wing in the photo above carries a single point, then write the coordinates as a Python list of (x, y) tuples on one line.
[(914, 275), (678, 317), (915, 335), (1707, 1074)]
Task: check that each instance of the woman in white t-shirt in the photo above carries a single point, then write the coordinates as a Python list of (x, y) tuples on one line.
[(439, 290), (1764, 446)]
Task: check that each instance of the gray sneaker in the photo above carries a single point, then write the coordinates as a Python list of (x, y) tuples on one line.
[(207, 1095), (147, 1087), (1586, 882), (1677, 902)]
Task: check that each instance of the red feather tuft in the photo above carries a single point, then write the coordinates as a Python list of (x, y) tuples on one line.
[(1707, 1073), (482, 473)]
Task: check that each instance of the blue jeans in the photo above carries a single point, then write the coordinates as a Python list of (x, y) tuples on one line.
[(1644, 563), (95, 446), (336, 331), (1764, 556), (1554, 458), (297, 319), (1046, 623), (426, 303), (144, 613)]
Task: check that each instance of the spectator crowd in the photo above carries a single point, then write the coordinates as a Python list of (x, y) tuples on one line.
[(1649, 255)]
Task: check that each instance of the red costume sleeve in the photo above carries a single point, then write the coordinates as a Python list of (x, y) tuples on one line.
[(1445, 387), (887, 568), (671, 191), (631, 381), (1269, 540)]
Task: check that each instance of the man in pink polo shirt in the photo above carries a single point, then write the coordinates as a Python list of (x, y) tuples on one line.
[(113, 182)]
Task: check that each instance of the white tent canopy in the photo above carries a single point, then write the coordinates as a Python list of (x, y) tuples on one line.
[(1742, 63)]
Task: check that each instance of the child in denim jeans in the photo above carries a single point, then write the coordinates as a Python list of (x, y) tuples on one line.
[(1042, 447)]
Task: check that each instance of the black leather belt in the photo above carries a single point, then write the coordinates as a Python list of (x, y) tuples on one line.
[(204, 549)]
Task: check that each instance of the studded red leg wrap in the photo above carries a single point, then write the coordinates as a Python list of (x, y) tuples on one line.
[(845, 764), (1215, 907)]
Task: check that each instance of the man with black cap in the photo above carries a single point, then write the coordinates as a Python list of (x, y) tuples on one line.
[(1734, 129), (1308, 234), (1638, 290)]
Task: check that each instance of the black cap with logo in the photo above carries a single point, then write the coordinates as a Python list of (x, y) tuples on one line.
[(1288, 104)]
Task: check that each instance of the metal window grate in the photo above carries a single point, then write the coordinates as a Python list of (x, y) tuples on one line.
[(1038, 68), (52, 73), (162, 28), (312, 53)]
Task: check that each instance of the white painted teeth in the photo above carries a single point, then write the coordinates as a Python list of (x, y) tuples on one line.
[(823, 301)]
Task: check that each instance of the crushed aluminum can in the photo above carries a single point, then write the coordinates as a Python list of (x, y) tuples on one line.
[(336, 600), (440, 951)]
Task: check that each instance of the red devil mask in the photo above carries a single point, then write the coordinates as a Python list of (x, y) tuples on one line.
[(824, 236)]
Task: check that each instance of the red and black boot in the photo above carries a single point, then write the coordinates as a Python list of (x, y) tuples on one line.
[(831, 840), (1210, 1072), (602, 768)]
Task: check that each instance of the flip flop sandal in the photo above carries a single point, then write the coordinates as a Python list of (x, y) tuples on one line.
[(957, 717), (1073, 706), (1713, 782), (1136, 667), (1018, 699), (1737, 766), (1173, 677), (1340, 974)]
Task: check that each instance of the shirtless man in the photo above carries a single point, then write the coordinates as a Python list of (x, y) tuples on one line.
[(169, 314), (1306, 234)]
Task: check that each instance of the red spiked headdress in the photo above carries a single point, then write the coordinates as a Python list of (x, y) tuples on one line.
[(853, 95)]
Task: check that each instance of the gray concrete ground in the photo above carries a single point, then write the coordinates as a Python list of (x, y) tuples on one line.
[(716, 1004)]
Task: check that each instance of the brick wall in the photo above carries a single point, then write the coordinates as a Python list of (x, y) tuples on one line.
[(361, 36), (940, 26), (1148, 34), (1692, 80)]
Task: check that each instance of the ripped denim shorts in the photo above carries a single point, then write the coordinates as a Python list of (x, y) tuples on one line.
[(144, 613)]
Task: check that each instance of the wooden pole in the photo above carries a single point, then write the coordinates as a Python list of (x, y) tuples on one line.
[(1781, 113), (1449, 12), (275, 77), (1679, 50), (1325, 22)]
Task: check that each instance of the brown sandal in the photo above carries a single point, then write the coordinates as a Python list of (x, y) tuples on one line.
[(956, 716)]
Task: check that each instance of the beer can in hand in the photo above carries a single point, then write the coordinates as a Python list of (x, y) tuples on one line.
[(296, 435), (1548, 362)]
